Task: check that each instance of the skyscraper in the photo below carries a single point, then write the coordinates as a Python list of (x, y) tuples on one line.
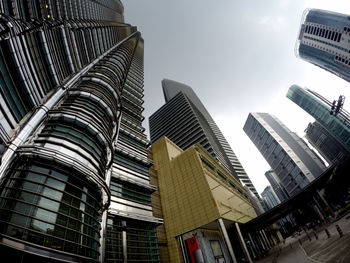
[(319, 108), (74, 171), (294, 162), (324, 40), (325, 143), (276, 185), (185, 121), (270, 198)]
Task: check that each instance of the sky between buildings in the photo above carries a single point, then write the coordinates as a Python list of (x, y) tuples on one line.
[(238, 56)]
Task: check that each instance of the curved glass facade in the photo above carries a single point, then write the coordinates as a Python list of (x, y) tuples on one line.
[(71, 81), (48, 205)]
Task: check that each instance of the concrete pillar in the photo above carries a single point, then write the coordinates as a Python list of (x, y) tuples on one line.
[(227, 240), (245, 250)]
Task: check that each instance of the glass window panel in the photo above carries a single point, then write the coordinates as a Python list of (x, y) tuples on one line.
[(32, 187), (36, 177), (45, 215), (59, 175), (48, 192), (42, 226), (55, 184), (48, 204), (19, 220), (24, 208)]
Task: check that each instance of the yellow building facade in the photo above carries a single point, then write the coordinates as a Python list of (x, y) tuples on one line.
[(200, 199)]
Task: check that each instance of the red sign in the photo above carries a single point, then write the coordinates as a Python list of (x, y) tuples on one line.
[(192, 246)]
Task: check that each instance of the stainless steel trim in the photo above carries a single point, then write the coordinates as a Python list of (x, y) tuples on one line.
[(42, 110)]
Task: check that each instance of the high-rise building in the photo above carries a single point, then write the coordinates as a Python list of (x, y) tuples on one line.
[(201, 202), (276, 185), (295, 164), (319, 108), (324, 40), (74, 173), (185, 121), (325, 143), (270, 197)]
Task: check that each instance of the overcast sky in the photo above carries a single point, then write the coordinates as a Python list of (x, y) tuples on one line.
[(238, 56)]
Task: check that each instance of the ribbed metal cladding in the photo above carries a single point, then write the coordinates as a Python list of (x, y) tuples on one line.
[(69, 70), (77, 137), (131, 226)]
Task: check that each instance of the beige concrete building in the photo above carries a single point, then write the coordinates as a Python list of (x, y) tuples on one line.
[(202, 205)]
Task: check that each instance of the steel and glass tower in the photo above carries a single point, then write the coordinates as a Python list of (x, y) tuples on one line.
[(74, 169), (325, 143), (185, 121), (319, 108), (324, 40), (295, 164)]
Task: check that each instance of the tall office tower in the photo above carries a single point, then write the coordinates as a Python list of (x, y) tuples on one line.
[(276, 185), (295, 164), (324, 40), (319, 108), (70, 82), (185, 121), (325, 143), (270, 197)]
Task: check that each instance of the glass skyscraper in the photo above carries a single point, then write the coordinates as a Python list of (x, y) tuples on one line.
[(185, 121), (276, 185), (324, 40), (325, 143), (319, 108), (74, 171), (270, 198), (295, 164)]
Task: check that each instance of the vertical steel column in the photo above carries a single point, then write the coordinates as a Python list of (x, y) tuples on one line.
[(253, 243), (245, 250), (227, 240), (326, 203), (267, 239), (264, 240), (184, 257), (125, 249), (319, 209)]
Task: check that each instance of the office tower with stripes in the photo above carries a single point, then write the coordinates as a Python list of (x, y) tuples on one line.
[(295, 164), (74, 169), (184, 120), (324, 40)]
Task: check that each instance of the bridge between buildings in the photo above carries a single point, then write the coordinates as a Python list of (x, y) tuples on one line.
[(260, 233)]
